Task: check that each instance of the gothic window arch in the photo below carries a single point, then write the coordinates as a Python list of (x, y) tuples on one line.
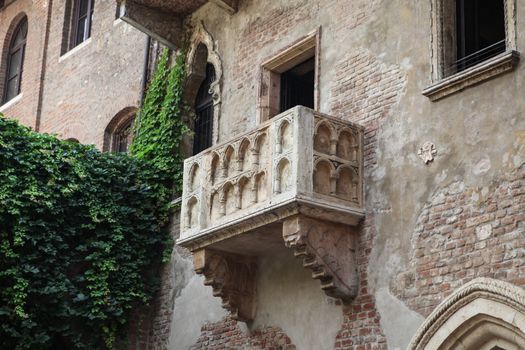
[(14, 60), (203, 124), (203, 88), (484, 314), (119, 132)]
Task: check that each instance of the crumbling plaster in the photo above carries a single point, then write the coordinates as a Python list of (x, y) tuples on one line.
[(479, 132)]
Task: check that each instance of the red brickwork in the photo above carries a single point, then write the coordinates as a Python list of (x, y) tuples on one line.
[(361, 329), (25, 109), (365, 91), (75, 94), (226, 334), (460, 236)]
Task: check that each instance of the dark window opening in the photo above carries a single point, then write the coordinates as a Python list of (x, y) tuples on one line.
[(15, 62), (480, 31), (123, 137), (203, 129), (82, 21), (297, 86)]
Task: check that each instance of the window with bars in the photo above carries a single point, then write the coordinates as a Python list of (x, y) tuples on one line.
[(480, 32), (15, 62), (203, 126)]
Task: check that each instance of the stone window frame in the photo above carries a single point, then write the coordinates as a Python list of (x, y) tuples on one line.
[(268, 104), (203, 50), (4, 58), (484, 305), (442, 51)]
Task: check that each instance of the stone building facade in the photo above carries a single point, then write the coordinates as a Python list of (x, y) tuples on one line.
[(419, 246), (77, 90), (386, 214)]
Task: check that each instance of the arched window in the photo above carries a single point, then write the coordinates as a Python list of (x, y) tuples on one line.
[(123, 137), (204, 113), (119, 132), (15, 61)]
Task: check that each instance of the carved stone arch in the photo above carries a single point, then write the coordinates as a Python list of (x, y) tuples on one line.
[(203, 50), (242, 156), (215, 167), (325, 138), (484, 314), (324, 177), (193, 178)]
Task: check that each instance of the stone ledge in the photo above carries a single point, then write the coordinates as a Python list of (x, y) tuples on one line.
[(486, 70)]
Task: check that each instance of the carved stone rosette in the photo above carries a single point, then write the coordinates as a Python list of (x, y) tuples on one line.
[(232, 278)]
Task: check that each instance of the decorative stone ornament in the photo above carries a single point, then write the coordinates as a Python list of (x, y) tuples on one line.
[(427, 152), (294, 181), (482, 314)]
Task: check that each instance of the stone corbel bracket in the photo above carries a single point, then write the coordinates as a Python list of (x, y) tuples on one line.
[(233, 279), (328, 249)]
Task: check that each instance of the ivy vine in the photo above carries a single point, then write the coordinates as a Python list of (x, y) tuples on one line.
[(160, 129), (81, 231), (80, 236)]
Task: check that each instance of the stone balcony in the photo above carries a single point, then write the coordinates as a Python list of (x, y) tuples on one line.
[(294, 181)]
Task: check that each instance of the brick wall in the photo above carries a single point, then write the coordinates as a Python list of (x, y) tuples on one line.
[(227, 335), (463, 233), (76, 94), (90, 84), (24, 108)]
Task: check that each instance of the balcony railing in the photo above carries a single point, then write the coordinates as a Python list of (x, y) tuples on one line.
[(300, 161)]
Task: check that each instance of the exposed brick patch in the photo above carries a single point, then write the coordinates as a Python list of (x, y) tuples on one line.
[(457, 239), (226, 334), (350, 14), (262, 32), (361, 329), (365, 91)]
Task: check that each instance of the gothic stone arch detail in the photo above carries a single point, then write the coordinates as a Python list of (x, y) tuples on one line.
[(483, 314), (203, 49)]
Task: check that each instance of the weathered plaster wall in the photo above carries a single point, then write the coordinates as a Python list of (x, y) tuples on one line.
[(428, 228)]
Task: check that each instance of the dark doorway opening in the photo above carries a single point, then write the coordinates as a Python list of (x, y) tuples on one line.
[(203, 127), (297, 86), (480, 31)]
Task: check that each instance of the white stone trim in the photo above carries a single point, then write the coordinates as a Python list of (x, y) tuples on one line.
[(10, 103), (441, 85), (74, 50), (485, 70)]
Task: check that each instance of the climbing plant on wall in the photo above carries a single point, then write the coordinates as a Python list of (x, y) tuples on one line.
[(81, 234), (160, 128)]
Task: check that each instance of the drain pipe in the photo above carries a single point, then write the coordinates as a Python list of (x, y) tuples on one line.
[(144, 80), (38, 119)]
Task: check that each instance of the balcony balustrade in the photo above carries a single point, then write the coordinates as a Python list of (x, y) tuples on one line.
[(294, 181)]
